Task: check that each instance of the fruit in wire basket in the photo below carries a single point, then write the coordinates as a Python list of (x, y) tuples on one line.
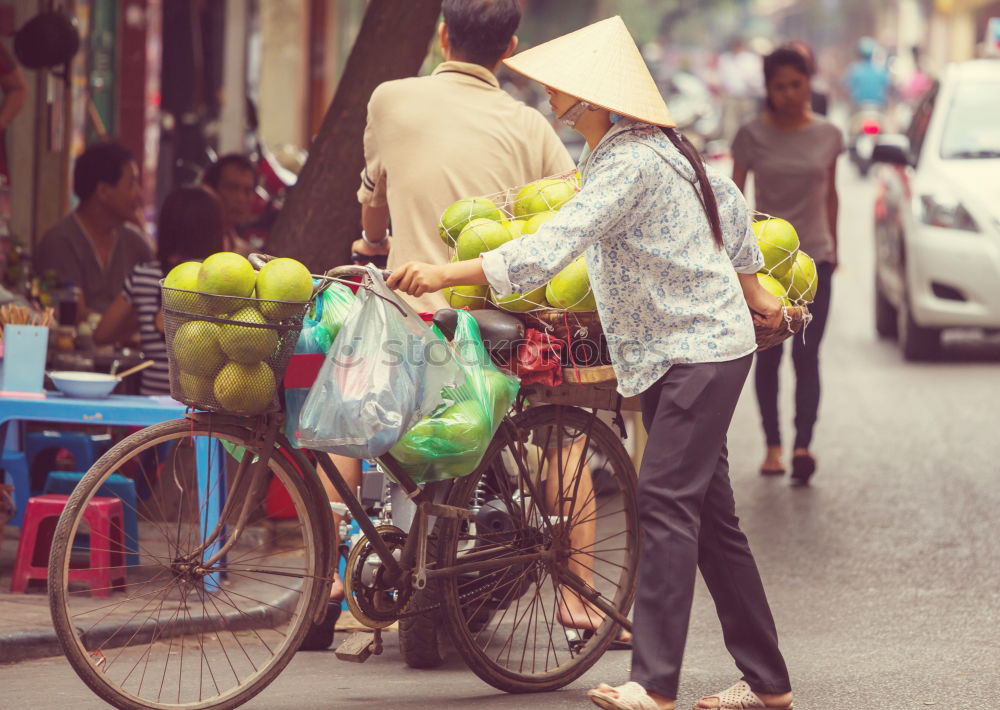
[(283, 280), (803, 280), (459, 214), (542, 196), (245, 344), (481, 235), (184, 276), (522, 303), (196, 348), (195, 387), (532, 225), (471, 297), (570, 288), (226, 274), (247, 389), (774, 287), (778, 243)]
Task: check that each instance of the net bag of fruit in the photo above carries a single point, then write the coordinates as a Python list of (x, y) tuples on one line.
[(789, 274), (451, 442), (384, 372), (319, 329)]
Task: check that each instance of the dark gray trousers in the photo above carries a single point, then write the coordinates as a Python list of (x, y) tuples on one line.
[(688, 518)]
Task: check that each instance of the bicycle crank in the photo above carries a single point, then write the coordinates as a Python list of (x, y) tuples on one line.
[(374, 602)]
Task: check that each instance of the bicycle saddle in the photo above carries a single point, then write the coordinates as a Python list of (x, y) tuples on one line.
[(499, 330)]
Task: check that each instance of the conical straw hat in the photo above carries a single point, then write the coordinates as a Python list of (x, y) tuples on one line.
[(601, 65)]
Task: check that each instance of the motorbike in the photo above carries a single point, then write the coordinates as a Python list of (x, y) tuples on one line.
[(865, 126)]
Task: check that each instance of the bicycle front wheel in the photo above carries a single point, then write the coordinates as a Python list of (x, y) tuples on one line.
[(555, 495), (154, 625)]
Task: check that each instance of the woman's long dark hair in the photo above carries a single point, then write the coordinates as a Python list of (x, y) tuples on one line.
[(704, 187)]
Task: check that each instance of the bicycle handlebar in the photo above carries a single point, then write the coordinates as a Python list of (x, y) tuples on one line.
[(337, 272)]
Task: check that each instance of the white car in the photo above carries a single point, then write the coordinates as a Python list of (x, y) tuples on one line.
[(937, 213)]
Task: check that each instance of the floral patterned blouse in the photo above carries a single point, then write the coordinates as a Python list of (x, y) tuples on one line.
[(665, 293)]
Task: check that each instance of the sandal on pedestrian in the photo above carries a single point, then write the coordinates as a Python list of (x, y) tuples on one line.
[(630, 696), (740, 697), (577, 639), (803, 467)]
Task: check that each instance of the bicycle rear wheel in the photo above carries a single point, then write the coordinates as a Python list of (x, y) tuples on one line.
[(169, 631), (520, 625)]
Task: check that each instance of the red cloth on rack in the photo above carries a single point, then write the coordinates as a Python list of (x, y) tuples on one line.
[(537, 359)]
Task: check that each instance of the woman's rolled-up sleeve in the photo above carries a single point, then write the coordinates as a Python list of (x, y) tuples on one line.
[(611, 191), (738, 237)]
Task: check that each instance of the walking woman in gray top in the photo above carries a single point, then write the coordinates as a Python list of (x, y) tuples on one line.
[(792, 153)]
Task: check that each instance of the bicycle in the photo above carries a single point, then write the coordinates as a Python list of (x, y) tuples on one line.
[(222, 595)]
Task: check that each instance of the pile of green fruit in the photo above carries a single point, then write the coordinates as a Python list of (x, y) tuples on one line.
[(789, 273), (475, 225), (229, 362)]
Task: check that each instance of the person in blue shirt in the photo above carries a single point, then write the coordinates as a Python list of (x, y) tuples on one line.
[(672, 263), (867, 82)]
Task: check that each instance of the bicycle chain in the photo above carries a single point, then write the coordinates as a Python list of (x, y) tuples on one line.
[(434, 607)]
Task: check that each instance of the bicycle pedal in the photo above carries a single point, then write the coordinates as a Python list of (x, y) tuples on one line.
[(357, 648), (450, 512)]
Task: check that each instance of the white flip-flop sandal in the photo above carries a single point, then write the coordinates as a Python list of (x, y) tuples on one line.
[(740, 697), (630, 696)]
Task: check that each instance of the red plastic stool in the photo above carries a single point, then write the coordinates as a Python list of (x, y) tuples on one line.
[(107, 553)]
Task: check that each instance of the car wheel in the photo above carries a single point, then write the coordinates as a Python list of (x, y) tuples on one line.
[(916, 342), (885, 314)]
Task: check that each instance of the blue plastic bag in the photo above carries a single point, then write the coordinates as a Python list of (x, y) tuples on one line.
[(384, 372)]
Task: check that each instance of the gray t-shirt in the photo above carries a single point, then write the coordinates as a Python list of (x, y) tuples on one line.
[(792, 176), (67, 251)]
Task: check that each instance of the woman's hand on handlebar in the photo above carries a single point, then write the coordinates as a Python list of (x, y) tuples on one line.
[(416, 278)]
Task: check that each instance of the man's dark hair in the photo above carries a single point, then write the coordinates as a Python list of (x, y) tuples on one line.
[(480, 30), (99, 162), (213, 175), (189, 226)]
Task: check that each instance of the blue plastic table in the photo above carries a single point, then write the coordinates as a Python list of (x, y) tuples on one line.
[(119, 410)]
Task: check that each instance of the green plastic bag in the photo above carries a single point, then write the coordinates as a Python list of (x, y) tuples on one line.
[(334, 303), (451, 442)]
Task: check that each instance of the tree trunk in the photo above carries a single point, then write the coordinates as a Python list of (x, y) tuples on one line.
[(321, 216)]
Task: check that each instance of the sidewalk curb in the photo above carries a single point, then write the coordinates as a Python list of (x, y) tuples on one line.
[(20, 646)]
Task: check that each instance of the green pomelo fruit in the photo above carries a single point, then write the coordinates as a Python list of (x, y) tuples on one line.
[(226, 274), (471, 297), (803, 280), (246, 389), (778, 243), (196, 348), (543, 196), (774, 287), (522, 303), (515, 227), (532, 225), (479, 236), (196, 388), (458, 215), (283, 280), (570, 288), (248, 345), (184, 276)]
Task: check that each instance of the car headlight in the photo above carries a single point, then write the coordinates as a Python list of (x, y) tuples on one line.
[(945, 212)]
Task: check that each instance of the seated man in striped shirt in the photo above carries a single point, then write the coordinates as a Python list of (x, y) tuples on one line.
[(189, 229)]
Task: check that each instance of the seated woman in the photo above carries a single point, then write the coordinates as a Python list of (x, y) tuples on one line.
[(189, 229)]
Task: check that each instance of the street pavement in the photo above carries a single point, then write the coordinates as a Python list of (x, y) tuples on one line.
[(883, 576)]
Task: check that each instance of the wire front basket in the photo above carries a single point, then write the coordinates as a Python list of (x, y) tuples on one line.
[(226, 353)]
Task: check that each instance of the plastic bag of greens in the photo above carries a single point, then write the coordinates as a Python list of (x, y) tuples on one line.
[(385, 372), (451, 442), (319, 329)]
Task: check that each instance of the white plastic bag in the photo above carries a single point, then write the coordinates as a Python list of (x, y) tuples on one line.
[(383, 373)]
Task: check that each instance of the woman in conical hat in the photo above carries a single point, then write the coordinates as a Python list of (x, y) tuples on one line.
[(672, 263)]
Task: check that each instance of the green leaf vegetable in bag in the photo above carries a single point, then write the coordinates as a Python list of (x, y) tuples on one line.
[(451, 442)]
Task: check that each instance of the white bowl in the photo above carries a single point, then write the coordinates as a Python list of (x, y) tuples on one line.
[(88, 385)]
